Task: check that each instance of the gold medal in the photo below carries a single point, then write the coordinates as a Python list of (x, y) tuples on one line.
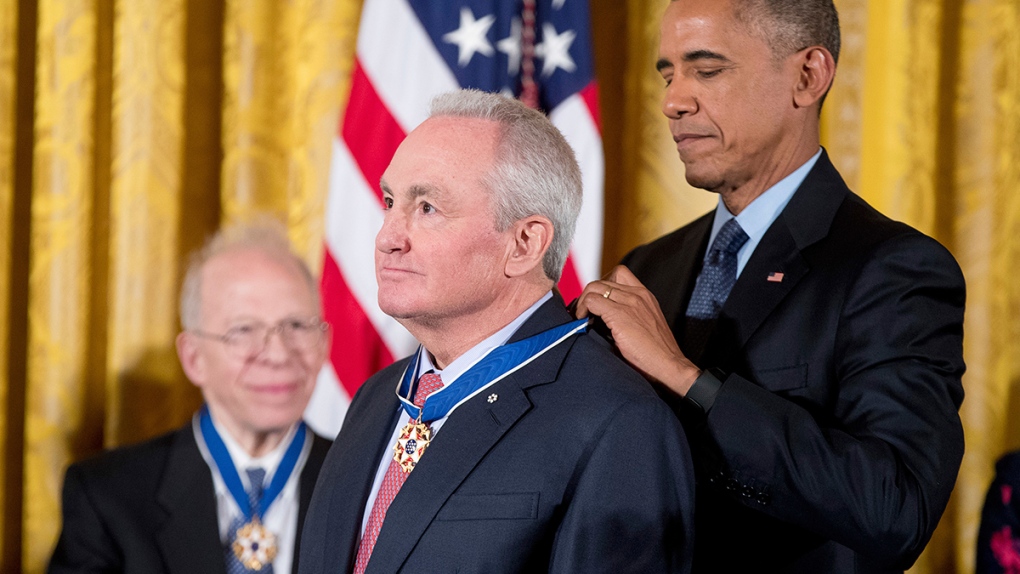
[(411, 444), (254, 545)]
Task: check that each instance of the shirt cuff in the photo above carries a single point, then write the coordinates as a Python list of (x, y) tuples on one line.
[(705, 388)]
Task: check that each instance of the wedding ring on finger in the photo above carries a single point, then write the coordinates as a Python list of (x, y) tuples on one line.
[(606, 294)]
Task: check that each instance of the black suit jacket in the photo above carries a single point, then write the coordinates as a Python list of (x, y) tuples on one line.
[(576, 466), (150, 508), (834, 441)]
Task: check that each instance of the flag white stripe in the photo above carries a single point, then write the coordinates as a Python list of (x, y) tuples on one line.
[(328, 405), (353, 218), (401, 61)]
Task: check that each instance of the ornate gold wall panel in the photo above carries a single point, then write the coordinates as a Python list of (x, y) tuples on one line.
[(60, 273), (286, 69), (8, 74)]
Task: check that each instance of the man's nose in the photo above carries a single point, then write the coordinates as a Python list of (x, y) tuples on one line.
[(275, 347), (392, 235), (678, 100)]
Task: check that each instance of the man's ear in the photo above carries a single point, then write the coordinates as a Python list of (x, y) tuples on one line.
[(531, 239), (816, 70), (192, 361)]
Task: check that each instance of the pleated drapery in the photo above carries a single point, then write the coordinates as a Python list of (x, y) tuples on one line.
[(131, 129)]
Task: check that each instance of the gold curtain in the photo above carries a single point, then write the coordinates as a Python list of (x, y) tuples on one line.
[(129, 129), (8, 53), (286, 67)]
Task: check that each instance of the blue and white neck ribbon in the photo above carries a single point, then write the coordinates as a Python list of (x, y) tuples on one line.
[(221, 456), (496, 364)]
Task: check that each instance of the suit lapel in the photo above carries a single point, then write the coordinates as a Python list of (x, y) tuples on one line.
[(309, 474), (364, 446), (805, 221), (754, 297), (681, 272), (189, 533), (462, 442)]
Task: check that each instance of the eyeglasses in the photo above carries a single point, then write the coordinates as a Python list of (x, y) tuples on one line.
[(247, 340)]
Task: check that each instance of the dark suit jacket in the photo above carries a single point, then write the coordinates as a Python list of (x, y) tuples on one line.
[(578, 466), (150, 508), (834, 441)]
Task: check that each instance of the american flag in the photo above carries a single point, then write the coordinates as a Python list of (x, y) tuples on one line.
[(408, 51)]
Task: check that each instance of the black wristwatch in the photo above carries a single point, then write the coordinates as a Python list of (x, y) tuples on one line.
[(705, 388)]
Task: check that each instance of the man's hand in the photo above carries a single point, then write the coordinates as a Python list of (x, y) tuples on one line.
[(639, 328)]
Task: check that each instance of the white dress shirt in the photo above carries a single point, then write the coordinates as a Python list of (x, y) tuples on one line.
[(281, 518), (455, 369)]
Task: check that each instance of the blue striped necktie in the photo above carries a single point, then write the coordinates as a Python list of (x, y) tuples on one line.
[(256, 476), (718, 274)]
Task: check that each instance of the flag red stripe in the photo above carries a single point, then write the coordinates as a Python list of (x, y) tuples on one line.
[(370, 131), (590, 95), (570, 283), (357, 351)]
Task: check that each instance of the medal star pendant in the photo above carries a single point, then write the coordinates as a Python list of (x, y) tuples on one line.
[(411, 444), (254, 545)]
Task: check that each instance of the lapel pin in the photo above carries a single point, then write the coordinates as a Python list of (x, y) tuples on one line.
[(775, 277), (493, 398)]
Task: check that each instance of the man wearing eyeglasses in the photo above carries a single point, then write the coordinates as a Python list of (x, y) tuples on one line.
[(228, 491)]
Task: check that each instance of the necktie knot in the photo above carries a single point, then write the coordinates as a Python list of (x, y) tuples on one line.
[(730, 239), (427, 384)]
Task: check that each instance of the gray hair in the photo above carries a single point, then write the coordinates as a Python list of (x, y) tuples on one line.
[(789, 26), (264, 234), (535, 172)]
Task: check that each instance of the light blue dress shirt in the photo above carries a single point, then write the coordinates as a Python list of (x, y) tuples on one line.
[(757, 217)]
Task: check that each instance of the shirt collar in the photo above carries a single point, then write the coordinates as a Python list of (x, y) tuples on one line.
[(461, 364), (759, 215)]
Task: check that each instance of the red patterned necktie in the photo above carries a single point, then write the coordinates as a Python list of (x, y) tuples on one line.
[(394, 479)]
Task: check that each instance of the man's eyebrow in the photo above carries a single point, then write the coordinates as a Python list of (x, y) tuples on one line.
[(415, 191), (697, 55), (422, 189)]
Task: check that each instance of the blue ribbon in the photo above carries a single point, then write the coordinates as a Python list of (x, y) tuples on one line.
[(221, 456), (492, 367)]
